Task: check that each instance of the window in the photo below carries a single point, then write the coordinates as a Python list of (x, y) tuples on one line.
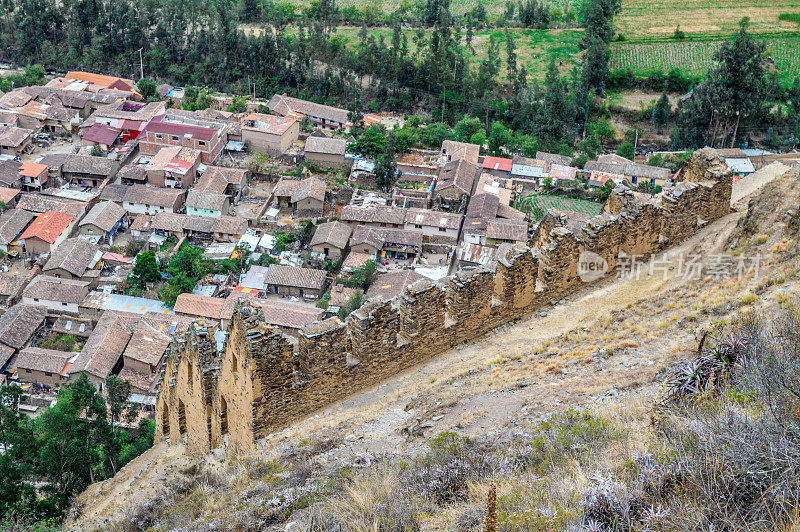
[(442, 229), (418, 226), (223, 415), (63, 304), (234, 364), (159, 136), (47, 373), (181, 417), (189, 370), (27, 371), (36, 299), (201, 143), (175, 138)]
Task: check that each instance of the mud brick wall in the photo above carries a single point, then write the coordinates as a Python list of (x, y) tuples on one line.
[(261, 382)]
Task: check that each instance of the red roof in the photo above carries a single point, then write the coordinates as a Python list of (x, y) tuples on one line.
[(498, 163), (132, 125), (101, 134), (29, 169), (48, 226), (172, 128)]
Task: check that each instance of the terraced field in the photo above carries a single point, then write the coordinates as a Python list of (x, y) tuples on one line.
[(695, 57), (539, 204), (648, 18)]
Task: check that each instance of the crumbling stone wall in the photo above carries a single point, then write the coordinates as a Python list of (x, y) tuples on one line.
[(261, 382)]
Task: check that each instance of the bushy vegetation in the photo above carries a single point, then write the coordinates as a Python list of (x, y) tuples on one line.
[(47, 460)]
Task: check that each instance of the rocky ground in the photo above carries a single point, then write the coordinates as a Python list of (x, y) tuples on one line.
[(607, 349)]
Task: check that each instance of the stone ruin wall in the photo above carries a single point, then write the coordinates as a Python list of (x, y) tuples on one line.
[(261, 382)]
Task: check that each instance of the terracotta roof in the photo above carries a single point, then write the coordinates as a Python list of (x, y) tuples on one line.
[(14, 137), (340, 294), (160, 197), (47, 226), (229, 225), (12, 223), (206, 200), (461, 151), (105, 215), (98, 79), (506, 211), (274, 125), (459, 174), (612, 158), (18, 324), (15, 98), (286, 186), (371, 236), (199, 305), (507, 230), (141, 381), (164, 89), (558, 171), (334, 233), (10, 284), (389, 285), (47, 360), (75, 255), (38, 203), (134, 173), (29, 169), (147, 344), (497, 163), (105, 345), (127, 110), (429, 218), (483, 206), (87, 164), (116, 191), (355, 260), (310, 188), (329, 146), (629, 169), (50, 288), (217, 178), (288, 315), (280, 275), (554, 158), (141, 222), (374, 214), (101, 134), (9, 171), (284, 105), (175, 125)]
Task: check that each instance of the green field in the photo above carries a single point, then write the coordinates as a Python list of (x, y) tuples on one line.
[(695, 57), (539, 204), (535, 48), (647, 19)]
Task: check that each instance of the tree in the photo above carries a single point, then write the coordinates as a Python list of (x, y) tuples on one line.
[(467, 127), (372, 142), (146, 269), (147, 89), (306, 232), (354, 303), (386, 167), (661, 111), (499, 136), (595, 67), (238, 104), (626, 150), (362, 276)]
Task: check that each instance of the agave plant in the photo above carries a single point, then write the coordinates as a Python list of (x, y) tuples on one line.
[(690, 379)]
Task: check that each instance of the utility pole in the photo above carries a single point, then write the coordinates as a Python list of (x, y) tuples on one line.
[(635, 142), (141, 64)]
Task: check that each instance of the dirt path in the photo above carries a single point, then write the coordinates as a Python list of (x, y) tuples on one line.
[(750, 184)]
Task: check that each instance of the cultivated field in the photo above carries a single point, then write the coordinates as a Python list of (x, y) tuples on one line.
[(646, 18), (695, 57), (539, 204), (535, 48)]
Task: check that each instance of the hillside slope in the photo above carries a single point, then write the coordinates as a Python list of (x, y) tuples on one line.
[(606, 351)]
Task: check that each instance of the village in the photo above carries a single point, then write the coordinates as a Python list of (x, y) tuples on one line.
[(126, 222)]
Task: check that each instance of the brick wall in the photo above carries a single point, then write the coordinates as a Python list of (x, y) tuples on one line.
[(275, 384)]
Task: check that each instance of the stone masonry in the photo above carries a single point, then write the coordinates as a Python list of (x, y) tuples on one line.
[(260, 382)]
